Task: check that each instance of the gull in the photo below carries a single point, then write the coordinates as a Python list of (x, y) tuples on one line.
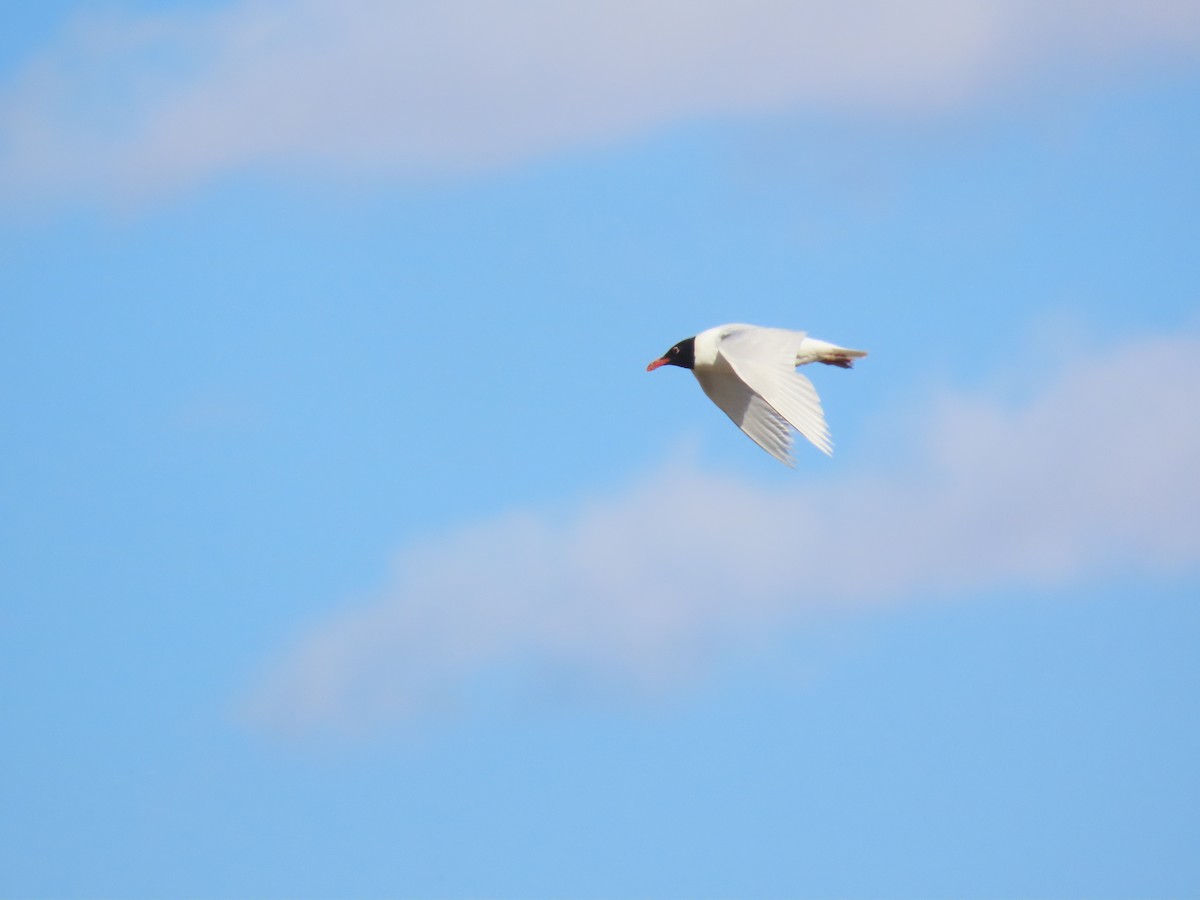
[(750, 373)]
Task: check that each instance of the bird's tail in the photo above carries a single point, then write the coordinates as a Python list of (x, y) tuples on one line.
[(812, 350)]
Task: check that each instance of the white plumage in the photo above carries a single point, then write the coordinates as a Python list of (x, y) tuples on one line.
[(750, 373)]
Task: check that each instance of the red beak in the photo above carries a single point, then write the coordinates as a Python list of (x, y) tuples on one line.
[(654, 365)]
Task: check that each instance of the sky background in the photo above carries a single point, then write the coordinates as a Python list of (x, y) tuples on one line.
[(347, 549)]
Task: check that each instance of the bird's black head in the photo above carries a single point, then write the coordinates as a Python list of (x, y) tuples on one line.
[(682, 354)]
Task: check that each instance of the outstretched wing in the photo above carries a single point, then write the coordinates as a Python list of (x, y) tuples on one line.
[(749, 412), (765, 359)]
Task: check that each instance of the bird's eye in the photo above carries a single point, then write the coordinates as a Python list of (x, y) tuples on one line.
[(674, 350)]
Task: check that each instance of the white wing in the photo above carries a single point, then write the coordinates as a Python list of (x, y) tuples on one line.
[(765, 359), (749, 412)]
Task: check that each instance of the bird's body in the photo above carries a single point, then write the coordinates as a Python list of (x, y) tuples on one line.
[(749, 372)]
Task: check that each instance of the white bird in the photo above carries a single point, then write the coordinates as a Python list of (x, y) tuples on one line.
[(749, 372)]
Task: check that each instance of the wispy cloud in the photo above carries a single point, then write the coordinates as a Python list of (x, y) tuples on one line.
[(139, 103), (1094, 474)]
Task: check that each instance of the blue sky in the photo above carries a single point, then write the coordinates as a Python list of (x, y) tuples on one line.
[(348, 549)]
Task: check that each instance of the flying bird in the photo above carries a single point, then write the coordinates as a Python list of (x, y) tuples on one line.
[(750, 373)]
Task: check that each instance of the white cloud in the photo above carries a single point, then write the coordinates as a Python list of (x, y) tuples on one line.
[(1094, 475), (139, 103)]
